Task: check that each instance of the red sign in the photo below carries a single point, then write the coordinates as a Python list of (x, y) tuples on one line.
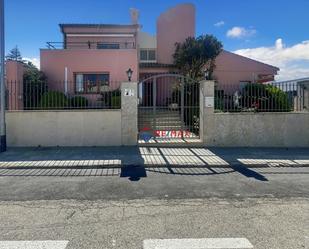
[(172, 133)]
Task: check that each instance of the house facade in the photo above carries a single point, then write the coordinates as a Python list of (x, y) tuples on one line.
[(94, 58)]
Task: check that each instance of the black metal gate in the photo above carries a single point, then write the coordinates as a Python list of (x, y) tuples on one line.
[(168, 108)]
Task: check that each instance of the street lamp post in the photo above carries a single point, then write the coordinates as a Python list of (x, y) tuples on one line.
[(2, 83)]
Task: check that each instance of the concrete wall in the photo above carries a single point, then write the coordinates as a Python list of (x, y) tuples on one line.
[(258, 130), (273, 129), (129, 102), (64, 128)]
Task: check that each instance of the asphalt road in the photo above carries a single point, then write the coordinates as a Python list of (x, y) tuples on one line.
[(154, 183), (266, 223), (115, 208)]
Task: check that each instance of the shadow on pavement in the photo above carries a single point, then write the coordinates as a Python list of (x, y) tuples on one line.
[(249, 173), (56, 172), (135, 162), (134, 173), (191, 171)]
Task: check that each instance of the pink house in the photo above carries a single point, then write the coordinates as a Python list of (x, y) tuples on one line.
[(14, 71), (178, 23), (93, 58)]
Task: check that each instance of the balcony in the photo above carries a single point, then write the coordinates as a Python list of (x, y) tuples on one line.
[(91, 45)]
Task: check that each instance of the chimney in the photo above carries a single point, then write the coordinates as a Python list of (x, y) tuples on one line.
[(134, 13)]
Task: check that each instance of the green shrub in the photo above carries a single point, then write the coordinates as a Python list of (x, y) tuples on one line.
[(279, 97), (78, 102), (116, 102), (111, 99), (219, 100), (53, 99), (265, 98), (34, 86)]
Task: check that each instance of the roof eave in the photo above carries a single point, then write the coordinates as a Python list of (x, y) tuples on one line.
[(85, 25), (273, 67)]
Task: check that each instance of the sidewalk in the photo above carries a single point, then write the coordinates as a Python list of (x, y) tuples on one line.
[(152, 157)]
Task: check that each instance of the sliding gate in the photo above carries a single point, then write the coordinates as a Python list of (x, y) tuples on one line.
[(168, 108)]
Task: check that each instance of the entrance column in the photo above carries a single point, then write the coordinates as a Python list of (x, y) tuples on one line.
[(129, 103), (207, 108)]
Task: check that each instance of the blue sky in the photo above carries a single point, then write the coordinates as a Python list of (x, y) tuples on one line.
[(245, 26)]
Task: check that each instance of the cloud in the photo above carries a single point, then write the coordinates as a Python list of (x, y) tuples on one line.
[(240, 32), (293, 61), (219, 24), (35, 61)]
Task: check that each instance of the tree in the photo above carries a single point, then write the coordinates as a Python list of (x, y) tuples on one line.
[(35, 85), (14, 55), (193, 55)]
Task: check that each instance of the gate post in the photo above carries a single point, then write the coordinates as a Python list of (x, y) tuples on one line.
[(207, 108), (129, 102)]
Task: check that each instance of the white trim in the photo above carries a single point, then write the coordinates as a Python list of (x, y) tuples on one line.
[(148, 61), (100, 35), (210, 243)]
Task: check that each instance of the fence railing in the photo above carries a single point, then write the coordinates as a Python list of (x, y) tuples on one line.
[(91, 45), (258, 97), (62, 95)]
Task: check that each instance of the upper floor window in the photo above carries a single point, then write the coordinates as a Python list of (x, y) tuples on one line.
[(91, 82), (147, 55), (108, 46)]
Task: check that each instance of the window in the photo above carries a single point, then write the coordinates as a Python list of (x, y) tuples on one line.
[(148, 55), (108, 46), (151, 55), (143, 55), (91, 82)]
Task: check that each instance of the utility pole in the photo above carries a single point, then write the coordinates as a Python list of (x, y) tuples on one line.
[(2, 82)]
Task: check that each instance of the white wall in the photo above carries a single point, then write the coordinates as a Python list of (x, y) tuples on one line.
[(257, 129), (64, 128)]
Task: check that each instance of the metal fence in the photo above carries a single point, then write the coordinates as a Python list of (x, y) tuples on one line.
[(62, 95), (258, 97)]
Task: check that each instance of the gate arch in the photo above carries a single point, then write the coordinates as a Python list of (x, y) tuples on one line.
[(168, 108)]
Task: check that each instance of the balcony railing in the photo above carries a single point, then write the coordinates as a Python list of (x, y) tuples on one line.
[(91, 45)]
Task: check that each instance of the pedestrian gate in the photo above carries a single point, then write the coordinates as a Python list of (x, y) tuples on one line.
[(168, 108)]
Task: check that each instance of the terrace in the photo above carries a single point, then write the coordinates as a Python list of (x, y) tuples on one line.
[(91, 45)]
